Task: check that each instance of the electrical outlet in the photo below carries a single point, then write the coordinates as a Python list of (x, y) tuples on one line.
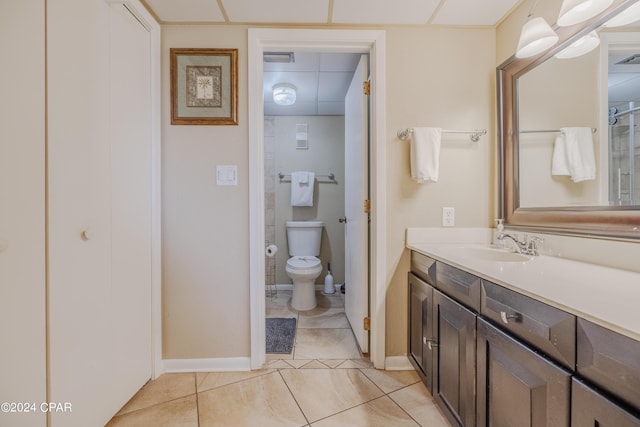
[(448, 217)]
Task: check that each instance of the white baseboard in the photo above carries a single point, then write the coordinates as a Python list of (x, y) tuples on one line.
[(397, 363), (229, 364)]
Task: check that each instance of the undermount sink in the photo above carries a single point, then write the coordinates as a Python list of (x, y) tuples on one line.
[(493, 254)]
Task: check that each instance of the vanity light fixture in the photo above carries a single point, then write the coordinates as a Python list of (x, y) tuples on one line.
[(581, 46), (536, 37), (627, 16), (284, 94), (576, 11)]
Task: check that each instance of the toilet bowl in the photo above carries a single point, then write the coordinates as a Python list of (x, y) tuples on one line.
[(304, 270), (304, 238)]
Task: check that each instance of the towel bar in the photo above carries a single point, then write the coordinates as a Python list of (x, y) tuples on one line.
[(475, 134)]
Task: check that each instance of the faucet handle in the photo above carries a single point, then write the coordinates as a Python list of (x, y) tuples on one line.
[(532, 244)]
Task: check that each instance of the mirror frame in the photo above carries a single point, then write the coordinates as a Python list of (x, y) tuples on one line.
[(614, 222)]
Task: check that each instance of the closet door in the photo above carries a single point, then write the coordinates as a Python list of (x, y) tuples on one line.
[(79, 211), (22, 215), (99, 209), (130, 138)]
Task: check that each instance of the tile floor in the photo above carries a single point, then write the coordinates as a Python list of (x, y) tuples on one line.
[(324, 382)]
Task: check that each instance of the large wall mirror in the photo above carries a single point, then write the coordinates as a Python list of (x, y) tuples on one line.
[(594, 98)]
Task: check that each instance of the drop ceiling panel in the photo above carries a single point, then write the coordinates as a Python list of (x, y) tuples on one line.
[(333, 86), (331, 108), (339, 61), (186, 11), (473, 12), (383, 11), (297, 109), (277, 11)]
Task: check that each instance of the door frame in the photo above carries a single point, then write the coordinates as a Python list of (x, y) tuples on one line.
[(353, 41)]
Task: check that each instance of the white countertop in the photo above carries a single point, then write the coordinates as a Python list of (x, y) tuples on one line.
[(606, 296)]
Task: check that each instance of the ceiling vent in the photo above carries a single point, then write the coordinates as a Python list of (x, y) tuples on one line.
[(631, 60), (279, 57)]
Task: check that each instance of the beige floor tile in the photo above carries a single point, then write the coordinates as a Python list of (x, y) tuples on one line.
[(323, 317), (332, 363), (315, 364), (262, 401), (418, 403), (333, 300), (390, 381), (219, 379), (358, 363), (165, 388), (181, 412), (298, 363), (280, 364), (381, 412), (324, 392), (325, 344)]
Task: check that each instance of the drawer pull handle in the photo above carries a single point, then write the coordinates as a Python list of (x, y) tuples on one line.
[(431, 344), (505, 318)]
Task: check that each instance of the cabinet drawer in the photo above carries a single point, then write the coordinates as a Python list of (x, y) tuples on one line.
[(544, 327), (610, 360), (590, 408), (423, 267), (460, 285)]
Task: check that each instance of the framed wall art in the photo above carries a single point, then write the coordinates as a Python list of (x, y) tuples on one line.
[(204, 86)]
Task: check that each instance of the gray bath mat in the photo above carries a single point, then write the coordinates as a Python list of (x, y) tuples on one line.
[(280, 335)]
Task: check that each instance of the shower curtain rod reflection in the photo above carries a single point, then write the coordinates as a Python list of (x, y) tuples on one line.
[(330, 176), (475, 134)]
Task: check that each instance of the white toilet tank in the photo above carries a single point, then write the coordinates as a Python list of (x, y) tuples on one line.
[(304, 237)]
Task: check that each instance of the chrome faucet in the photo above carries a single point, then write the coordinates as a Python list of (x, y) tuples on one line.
[(526, 246)]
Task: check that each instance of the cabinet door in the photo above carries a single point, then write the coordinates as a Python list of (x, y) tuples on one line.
[(420, 328), (591, 409), (517, 387), (454, 367)]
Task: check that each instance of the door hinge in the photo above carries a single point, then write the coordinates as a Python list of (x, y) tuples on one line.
[(367, 206), (367, 323), (366, 87)]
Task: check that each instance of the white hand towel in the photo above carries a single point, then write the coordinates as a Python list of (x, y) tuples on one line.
[(579, 146), (560, 162), (302, 184), (425, 154)]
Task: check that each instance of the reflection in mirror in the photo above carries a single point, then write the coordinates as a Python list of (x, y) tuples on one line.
[(572, 87), (549, 102)]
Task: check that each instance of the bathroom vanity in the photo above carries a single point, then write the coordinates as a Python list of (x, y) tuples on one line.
[(506, 340)]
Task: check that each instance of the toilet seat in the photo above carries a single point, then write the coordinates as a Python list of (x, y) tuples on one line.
[(301, 263)]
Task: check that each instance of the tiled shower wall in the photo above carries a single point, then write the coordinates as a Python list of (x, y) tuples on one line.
[(269, 198)]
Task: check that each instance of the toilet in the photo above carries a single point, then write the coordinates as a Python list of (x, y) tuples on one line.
[(304, 238)]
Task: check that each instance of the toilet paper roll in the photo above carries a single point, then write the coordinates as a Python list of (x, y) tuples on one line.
[(271, 250)]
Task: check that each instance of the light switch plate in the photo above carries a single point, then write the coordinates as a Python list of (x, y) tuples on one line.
[(226, 175)]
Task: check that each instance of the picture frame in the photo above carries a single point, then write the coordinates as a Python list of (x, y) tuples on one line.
[(204, 86)]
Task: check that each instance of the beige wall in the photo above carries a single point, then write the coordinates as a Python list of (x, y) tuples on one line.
[(435, 77)]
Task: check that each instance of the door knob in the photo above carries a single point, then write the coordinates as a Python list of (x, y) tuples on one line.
[(342, 220)]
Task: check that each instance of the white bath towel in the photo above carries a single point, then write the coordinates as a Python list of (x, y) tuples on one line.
[(425, 154), (579, 159), (560, 162), (302, 184)]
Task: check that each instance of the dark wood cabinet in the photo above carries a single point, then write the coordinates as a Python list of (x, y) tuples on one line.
[(517, 386), (455, 359), (589, 408), (421, 328)]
